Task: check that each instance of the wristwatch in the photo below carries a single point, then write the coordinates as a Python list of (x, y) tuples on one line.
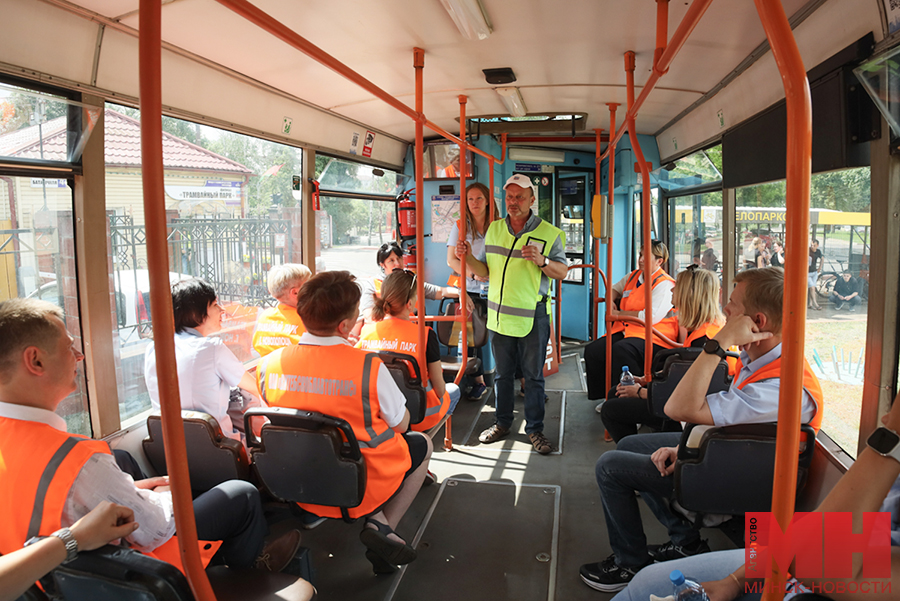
[(68, 539), (885, 442), (546, 261), (713, 347)]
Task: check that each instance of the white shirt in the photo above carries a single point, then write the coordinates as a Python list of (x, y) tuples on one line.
[(477, 242), (207, 369), (661, 297), (100, 479), (390, 399)]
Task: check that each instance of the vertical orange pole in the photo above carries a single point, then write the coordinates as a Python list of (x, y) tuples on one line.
[(662, 33), (645, 217), (611, 173), (799, 165), (595, 256), (149, 47), (419, 66), (463, 293)]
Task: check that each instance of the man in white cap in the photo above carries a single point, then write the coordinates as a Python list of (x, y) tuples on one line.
[(522, 253)]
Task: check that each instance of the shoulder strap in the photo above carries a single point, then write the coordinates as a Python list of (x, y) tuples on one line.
[(37, 512)]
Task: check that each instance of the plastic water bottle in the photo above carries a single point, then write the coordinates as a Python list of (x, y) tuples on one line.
[(627, 379), (685, 589), (459, 348)]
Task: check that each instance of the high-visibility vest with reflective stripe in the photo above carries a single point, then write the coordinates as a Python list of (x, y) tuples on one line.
[(514, 292), (277, 327), (38, 465), (401, 336), (772, 371), (633, 300), (340, 381)]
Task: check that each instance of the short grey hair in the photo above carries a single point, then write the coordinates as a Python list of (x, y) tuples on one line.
[(286, 276)]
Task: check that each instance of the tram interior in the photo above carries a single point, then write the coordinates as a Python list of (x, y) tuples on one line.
[(501, 521)]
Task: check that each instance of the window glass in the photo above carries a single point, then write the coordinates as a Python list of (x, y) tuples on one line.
[(350, 232), (702, 167), (37, 260), (346, 176), (836, 334), (638, 229), (695, 231), (231, 217)]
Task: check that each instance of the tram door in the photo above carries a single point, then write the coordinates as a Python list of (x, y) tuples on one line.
[(574, 211)]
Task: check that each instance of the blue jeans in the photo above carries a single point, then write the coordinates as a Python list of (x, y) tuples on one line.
[(654, 579), (628, 469), (455, 393), (529, 353)]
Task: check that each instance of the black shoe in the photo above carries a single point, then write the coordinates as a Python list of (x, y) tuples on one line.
[(670, 551), (607, 576)]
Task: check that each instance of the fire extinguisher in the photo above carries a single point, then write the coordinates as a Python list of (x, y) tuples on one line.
[(406, 215), (409, 258), (316, 205)]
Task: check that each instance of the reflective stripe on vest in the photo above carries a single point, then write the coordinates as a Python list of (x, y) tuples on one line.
[(516, 291), (277, 327), (401, 336), (33, 505), (340, 381), (772, 371)]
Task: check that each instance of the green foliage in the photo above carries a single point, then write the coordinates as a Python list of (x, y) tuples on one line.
[(846, 190)]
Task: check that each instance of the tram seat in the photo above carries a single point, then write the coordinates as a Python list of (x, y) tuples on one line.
[(448, 333), (731, 470), (307, 457), (125, 575), (669, 366), (213, 458), (406, 373)]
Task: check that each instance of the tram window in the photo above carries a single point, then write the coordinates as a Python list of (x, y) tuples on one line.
[(37, 260), (231, 217), (836, 334), (695, 231), (350, 232), (636, 234)]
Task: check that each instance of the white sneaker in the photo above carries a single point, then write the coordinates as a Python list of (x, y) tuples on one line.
[(599, 406)]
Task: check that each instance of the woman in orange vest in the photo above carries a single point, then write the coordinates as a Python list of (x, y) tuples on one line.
[(478, 219), (698, 318), (393, 331), (325, 374), (628, 296)]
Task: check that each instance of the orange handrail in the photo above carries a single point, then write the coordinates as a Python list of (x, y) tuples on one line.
[(595, 251), (662, 28), (150, 69), (596, 299), (799, 166), (419, 67), (665, 339), (645, 216), (610, 201), (687, 25), (268, 23)]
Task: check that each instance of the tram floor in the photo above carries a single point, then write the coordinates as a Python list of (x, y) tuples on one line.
[(488, 524)]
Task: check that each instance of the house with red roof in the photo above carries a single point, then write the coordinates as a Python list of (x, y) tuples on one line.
[(198, 182)]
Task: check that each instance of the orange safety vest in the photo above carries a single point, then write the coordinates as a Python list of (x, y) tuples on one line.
[(633, 301), (277, 327), (772, 371), (401, 336), (38, 465), (340, 381)]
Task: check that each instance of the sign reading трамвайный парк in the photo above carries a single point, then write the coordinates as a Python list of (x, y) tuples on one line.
[(821, 546)]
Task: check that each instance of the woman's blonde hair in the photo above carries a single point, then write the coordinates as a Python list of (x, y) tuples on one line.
[(396, 291), (470, 221), (696, 295)]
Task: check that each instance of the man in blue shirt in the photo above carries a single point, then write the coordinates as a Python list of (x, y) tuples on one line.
[(645, 462)]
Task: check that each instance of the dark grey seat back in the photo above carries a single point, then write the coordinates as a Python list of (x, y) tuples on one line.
[(307, 457), (732, 470), (117, 573), (212, 457), (405, 371), (669, 366)]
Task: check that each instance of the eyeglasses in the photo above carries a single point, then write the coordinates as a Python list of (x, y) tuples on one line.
[(692, 268), (412, 285)]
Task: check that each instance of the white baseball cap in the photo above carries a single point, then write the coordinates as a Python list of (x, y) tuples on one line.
[(523, 181)]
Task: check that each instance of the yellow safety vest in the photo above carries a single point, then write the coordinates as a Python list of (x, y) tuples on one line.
[(514, 293)]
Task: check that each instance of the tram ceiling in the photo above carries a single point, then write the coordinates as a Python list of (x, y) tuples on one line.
[(565, 60)]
